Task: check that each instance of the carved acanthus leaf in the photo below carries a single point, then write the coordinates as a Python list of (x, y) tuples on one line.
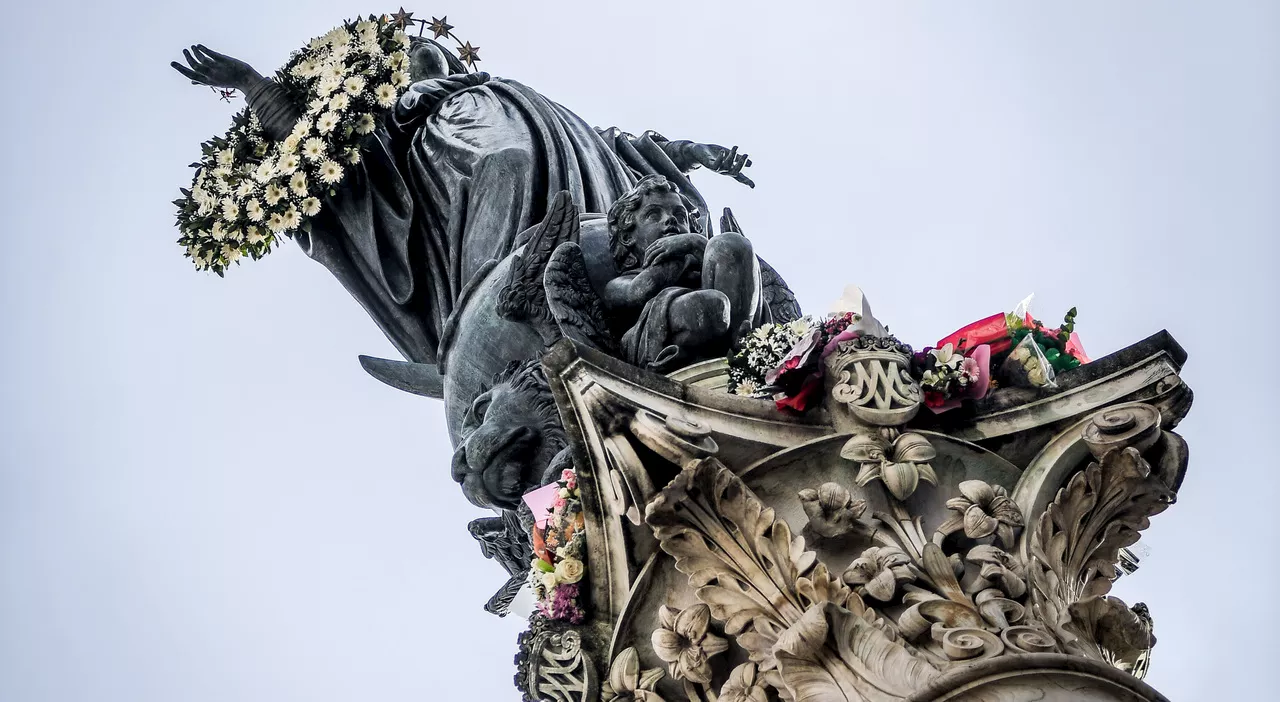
[(1078, 538), (783, 607), (834, 654), (744, 563)]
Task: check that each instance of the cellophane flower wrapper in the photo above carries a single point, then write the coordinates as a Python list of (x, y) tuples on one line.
[(1026, 366)]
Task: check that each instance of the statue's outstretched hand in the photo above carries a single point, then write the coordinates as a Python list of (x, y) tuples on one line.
[(208, 67), (723, 161)]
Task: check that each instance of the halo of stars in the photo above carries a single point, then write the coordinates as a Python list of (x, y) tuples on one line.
[(440, 29)]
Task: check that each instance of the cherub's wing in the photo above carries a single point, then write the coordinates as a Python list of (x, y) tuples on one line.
[(573, 302), (523, 298), (782, 303)]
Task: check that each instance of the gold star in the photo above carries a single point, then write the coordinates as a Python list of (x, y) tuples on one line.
[(402, 19), (440, 27), (469, 54)]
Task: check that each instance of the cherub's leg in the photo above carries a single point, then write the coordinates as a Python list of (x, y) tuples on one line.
[(699, 319), (730, 266)]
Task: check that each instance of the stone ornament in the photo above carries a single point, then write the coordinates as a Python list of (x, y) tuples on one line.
[(860, 587)]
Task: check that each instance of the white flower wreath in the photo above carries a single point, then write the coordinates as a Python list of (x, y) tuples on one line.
[(249, 190)]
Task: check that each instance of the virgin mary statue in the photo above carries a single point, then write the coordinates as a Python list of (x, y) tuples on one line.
[(463, 164)]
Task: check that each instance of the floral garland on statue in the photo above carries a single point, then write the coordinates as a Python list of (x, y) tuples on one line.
[(558, 568), (248, 190)]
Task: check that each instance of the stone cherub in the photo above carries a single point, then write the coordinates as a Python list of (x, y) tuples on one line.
[(644, 283)]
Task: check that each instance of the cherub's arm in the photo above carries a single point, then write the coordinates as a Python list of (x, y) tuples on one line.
[(632, 290)]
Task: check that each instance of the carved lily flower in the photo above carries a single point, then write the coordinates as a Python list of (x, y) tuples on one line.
[(628, 683), (744, 686), (683, 642), (999, 568), (985, 510), (879, 571), (900, 464)]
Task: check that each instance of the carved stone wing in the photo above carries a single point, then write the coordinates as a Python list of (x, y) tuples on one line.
[(523, 298), (573, 302)]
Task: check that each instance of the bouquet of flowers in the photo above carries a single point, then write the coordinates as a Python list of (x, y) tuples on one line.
[(249, 190), (1024, 351), (783, 361), (558, 567), (948, 375)]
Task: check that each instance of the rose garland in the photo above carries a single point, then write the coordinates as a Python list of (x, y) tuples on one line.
[(248, 190), (558, 564)]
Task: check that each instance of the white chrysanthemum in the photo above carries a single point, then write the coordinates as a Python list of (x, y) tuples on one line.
[(399, 79), (330, 171), (372, 48), (222, 186), (288, 164), (337, 36), (366, 26), (327, 85), (230, 208), (385, 95), (313, 148), (326, 122), (399, 60), (339, 102), (292, 218), (244, 189), (226, 157), (290, 144), (339, 55), (311, 206), (264, 171), (401, 38), (365, 124), (353, 156), (254, 236), (276, 222), (316, 106), (253, 210), (274, 193), (354, 85), (317, 43), (335, 70), (302, 69), (298, 184), (219, 232), (301, 128)]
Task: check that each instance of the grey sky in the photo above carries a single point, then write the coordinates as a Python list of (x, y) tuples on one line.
[(203, 496)]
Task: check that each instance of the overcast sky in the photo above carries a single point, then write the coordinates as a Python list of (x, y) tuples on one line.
[(204, 498)]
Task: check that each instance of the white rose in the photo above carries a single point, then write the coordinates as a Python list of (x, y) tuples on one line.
[(550, 580), (569, 570)]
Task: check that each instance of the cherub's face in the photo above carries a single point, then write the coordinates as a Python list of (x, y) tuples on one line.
[(660, 214)]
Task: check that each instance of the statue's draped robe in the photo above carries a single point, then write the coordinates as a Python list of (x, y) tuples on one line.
[(464, 165)]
